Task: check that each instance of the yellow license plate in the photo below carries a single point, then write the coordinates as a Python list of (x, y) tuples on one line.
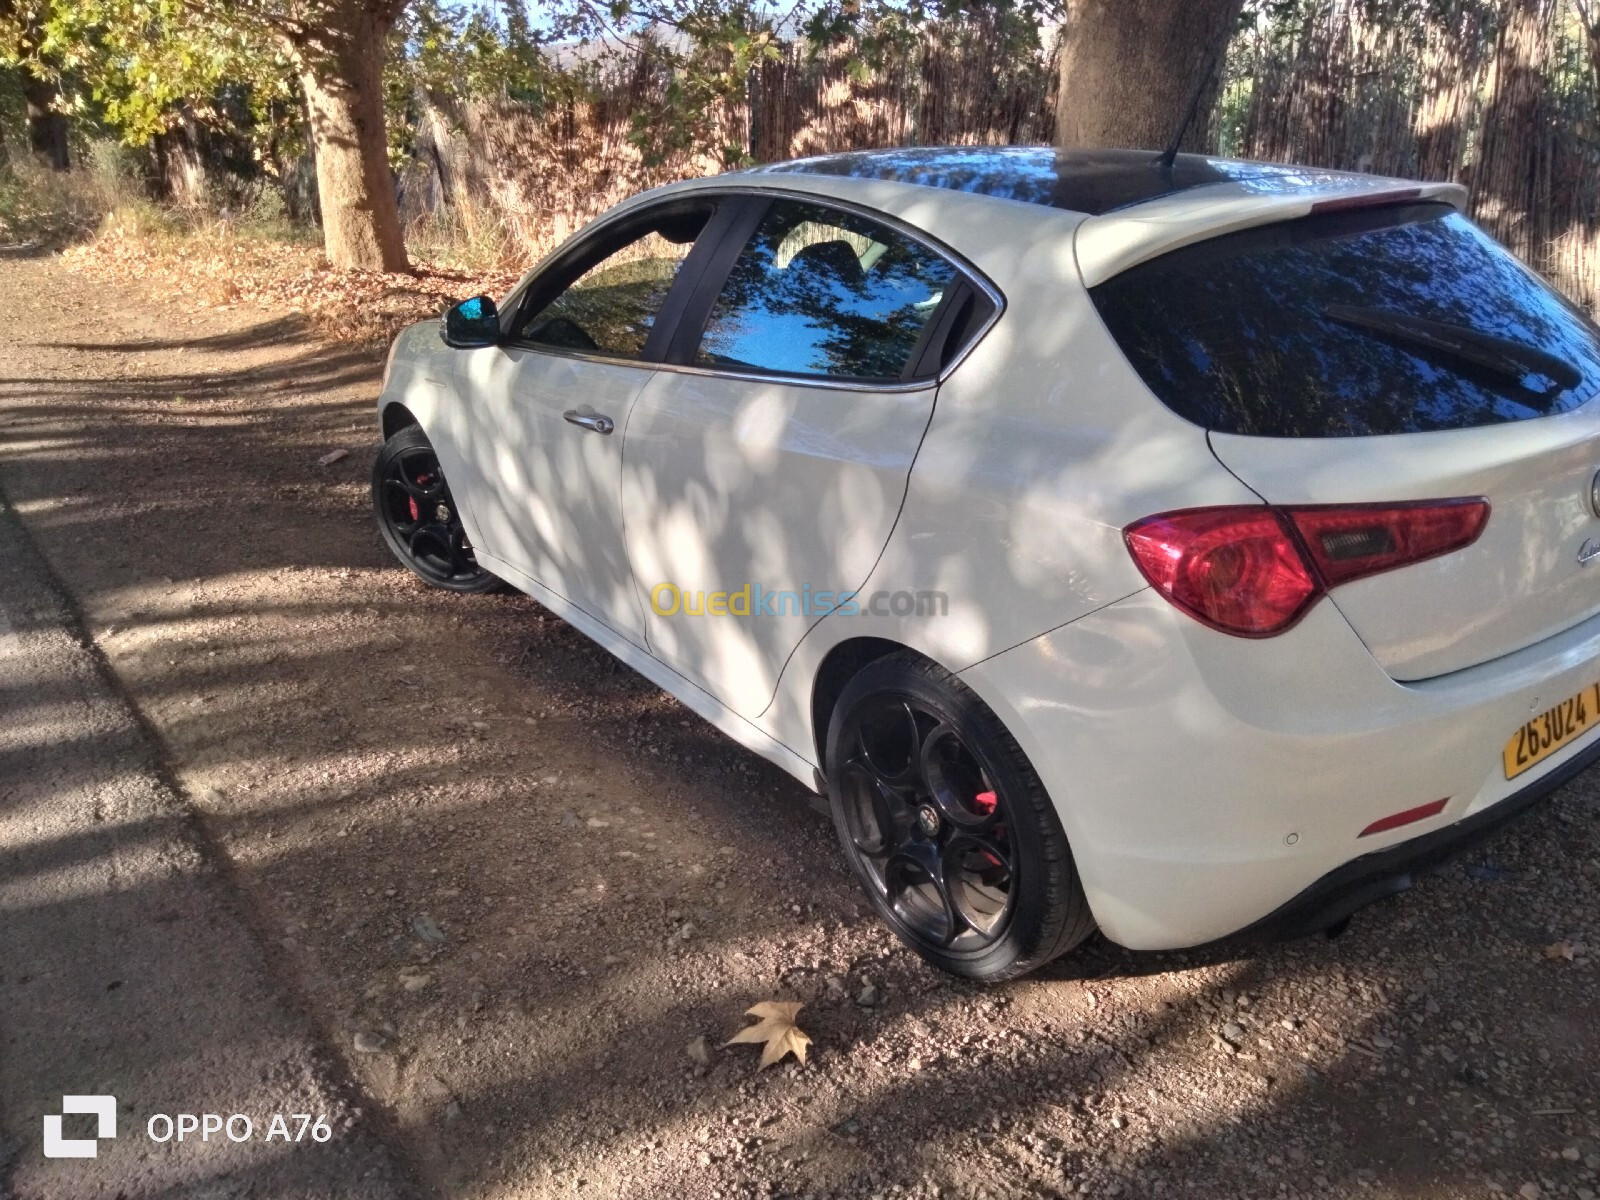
[(1552, 729)]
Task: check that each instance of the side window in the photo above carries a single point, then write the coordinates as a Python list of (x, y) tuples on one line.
[(819, 291), (611, 307)]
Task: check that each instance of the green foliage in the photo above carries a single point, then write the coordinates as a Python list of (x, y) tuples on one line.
[(877, 29), (136, 67), (136, 62), (720, 48), (461, 51)]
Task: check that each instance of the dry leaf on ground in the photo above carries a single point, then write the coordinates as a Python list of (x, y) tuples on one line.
[(1561, 950), (777, 1029)]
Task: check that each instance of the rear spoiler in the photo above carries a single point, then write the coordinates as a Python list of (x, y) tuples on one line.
[(1112, 242)]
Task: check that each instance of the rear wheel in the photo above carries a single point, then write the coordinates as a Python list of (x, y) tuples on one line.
[(946, 825), (418, 516)]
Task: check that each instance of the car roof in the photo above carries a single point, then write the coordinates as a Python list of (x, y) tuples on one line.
[(1113, 208), (1092, 182)]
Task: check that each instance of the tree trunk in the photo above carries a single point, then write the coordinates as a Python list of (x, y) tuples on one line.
[(1130, 67), (342, 76), (47, 128), (180, 175)]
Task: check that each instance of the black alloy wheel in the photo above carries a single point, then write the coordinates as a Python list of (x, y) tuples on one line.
[(419, 518), (946, 825)]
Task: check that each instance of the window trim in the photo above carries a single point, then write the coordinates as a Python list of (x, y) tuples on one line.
[(697, 312), (591, 248), (697, 281)]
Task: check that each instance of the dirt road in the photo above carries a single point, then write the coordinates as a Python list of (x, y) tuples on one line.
[(508, 883)]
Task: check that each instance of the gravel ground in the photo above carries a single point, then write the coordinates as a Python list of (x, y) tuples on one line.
[(126, 968), (512, 883)]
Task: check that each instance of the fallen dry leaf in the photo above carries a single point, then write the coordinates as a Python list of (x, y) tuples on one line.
[(1561, 950), (777, 1029)]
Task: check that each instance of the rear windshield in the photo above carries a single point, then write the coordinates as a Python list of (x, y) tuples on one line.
[(1389, 320)]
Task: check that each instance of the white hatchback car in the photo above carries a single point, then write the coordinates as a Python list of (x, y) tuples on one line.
[(1177, 549)]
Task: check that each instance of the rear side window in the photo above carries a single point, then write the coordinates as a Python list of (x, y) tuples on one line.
[(819, 291), (1390, 320)]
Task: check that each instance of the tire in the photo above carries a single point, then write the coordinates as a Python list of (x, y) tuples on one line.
[(923, 779), (418, 516)]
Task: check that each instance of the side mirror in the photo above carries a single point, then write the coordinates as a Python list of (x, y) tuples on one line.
[(472, 323)]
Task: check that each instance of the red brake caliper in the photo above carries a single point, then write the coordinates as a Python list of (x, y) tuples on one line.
[(416, 513), (986, 803)]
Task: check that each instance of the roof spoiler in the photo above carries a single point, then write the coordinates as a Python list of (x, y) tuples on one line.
[(1111, 243)]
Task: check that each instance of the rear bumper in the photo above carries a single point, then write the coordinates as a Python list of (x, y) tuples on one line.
[(1211, 785), (1372, 877)]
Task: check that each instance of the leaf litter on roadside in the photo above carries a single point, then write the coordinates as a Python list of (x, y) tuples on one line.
[(776, 1027), (215, 267)]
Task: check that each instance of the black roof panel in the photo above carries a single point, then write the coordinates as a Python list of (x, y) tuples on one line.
[(1086, 181)]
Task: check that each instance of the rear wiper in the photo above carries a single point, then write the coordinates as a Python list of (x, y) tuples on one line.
[(1514, 360)]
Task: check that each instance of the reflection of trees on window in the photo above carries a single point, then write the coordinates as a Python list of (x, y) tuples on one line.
[(612, 306), (1242, 334), (822, 292)]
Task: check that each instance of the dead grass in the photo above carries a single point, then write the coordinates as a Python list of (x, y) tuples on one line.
[(39, 206), (101, 217), (218, 267)]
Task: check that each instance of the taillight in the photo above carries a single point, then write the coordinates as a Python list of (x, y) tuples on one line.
[(1254, 570), (1236, 569), (1349, 542)]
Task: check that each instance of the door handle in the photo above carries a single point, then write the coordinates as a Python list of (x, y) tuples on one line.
[(595, 421)]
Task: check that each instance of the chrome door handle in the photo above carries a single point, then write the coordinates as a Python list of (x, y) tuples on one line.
[(595, 421)]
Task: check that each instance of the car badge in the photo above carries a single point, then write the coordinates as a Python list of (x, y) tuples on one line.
[(1588, 552), (1594, 494)]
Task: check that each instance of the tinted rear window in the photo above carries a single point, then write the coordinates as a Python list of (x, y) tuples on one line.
[(1310, 328)]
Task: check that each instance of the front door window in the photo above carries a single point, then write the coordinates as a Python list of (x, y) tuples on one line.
[(611, 307)]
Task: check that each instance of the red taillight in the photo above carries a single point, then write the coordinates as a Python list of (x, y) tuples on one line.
[(1347, 543), (1233, 568), (1254, 570)]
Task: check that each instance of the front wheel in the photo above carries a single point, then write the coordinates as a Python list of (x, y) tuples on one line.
[(946, 825), (418, 517)]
